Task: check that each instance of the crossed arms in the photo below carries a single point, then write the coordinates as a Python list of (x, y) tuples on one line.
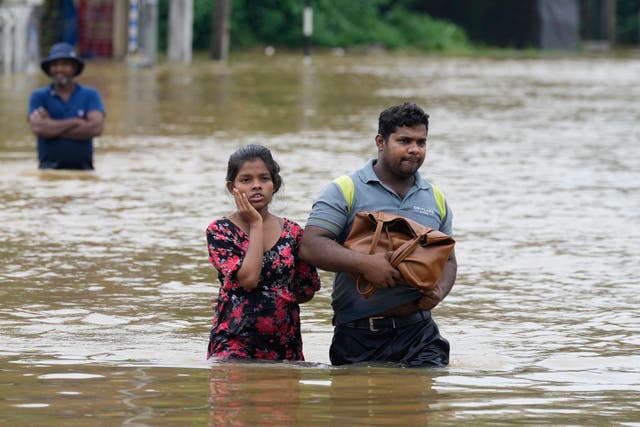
[(43, 126)]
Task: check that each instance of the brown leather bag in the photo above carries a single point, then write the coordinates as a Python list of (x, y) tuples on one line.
[(418, 252)]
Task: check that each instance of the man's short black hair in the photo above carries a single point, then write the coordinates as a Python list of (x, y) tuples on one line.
[(407, 114)]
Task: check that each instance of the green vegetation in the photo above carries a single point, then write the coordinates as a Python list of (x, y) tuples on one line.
[(404, 26), (627, 21), (337, 23)]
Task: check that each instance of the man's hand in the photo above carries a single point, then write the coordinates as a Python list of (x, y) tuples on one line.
[(39, 113), (430, 299), (380, 273)]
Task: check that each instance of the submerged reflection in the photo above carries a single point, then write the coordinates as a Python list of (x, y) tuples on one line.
[(248, 394), (383, 395), (283, 394)]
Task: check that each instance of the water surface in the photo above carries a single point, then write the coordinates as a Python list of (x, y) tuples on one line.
[(105, 282)]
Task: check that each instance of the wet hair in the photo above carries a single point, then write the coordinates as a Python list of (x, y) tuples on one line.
[(407, 114), (253, 152)]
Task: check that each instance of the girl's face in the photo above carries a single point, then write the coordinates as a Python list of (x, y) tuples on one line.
[(254, 180)]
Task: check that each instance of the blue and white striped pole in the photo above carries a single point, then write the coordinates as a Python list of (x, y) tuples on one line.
[(134, 12)]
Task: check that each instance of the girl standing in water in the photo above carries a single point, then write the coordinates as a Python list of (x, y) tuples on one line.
[(262, 280)]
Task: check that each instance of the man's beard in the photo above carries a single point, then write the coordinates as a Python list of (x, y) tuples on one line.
[(62, 80)]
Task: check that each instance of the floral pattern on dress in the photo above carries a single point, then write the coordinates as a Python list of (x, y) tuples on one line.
[(260, 323)]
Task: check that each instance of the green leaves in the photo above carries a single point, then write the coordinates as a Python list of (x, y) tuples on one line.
[(337, 23)]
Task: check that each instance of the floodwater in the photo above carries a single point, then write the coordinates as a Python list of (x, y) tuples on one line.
[(105, 282)]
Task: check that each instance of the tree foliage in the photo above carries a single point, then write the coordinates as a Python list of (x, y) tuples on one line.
[(336, 23), (393, 24)]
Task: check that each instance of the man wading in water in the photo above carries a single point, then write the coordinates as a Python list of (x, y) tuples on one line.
[(65, 116), (394, 324)]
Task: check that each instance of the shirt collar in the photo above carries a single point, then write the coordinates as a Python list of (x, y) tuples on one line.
[(367, 174)]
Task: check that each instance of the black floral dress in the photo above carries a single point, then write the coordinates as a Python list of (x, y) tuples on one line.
[(260, 323)]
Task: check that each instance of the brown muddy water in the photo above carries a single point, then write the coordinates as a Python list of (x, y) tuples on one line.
[(105, 282)]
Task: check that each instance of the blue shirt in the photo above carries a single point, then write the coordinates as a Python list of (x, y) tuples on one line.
[(330, 212), (61, 153)]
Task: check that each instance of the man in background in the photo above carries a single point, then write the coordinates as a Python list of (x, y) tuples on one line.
[(65, 115)]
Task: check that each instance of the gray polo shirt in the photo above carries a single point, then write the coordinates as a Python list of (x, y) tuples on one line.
[(330, 211)]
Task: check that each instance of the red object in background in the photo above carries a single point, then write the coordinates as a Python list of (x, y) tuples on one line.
[(95, 28)]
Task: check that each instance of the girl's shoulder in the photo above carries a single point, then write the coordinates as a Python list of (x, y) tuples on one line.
[(291, 226), (222, 223)]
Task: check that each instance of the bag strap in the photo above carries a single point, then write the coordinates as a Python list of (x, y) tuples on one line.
[(345, 183), (376, 234), (368, 290), (405, 250)]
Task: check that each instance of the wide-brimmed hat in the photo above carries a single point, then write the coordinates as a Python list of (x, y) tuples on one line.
[(61, 51)]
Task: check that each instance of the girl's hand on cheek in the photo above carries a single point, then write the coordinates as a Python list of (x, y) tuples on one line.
[(246, 211)]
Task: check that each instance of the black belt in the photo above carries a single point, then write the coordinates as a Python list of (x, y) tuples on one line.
[(378, 323)]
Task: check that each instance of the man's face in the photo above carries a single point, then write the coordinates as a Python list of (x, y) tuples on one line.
[(404, 151), (62, 71)]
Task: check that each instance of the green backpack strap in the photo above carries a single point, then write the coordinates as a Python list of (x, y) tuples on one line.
[(345, 183), (348, 189)]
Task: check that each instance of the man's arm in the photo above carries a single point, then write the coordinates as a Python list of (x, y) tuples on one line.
[(87, 128), (444, 285), (449, 274), (319, 248), (43, 126)]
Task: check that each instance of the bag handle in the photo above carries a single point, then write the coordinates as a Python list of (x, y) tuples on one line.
[(368, 290), (376, 235), (395, 259), (406, 249)]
